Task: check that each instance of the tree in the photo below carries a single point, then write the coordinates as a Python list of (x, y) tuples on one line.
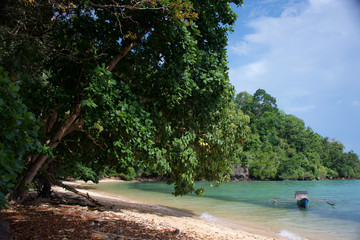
[(279, 145), (142, 81), (264, 165), (18, 134), (293, 130), (243, 101), (351, 165), (263, 102)]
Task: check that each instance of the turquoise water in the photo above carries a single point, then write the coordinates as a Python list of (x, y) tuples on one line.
[(251, 204)]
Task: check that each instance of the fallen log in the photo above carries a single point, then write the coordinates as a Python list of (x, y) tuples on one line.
[(51, 179)]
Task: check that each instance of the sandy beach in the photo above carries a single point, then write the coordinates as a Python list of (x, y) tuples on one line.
[(160, 217), (70, 216)]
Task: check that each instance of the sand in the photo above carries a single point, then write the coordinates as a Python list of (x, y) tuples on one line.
[(166, 218)]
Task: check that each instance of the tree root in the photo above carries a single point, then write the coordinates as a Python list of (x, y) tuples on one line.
[(71, 189)]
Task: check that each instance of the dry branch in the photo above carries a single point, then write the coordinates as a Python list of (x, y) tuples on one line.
[(53, 181)]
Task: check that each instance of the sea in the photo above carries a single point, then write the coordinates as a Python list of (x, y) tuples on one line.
[(250, 205)]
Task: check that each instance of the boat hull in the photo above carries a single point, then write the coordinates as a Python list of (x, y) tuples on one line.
[(304, 202)]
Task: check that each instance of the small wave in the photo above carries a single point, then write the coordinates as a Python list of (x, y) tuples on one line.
[(166, 209), (208, 217), (172, 210), (161, 208), (291, 235)]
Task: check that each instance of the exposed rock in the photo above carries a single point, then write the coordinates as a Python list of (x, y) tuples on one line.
[(240, 173)]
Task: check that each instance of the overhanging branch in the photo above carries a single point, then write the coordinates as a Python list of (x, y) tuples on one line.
[(53, 181), (127, 49), (135, 6)]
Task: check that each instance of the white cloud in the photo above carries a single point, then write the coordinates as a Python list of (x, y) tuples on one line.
[(254, 70), (294, 10), (356, 103), (240, 48), (306, 54), (249, 76), (302, 109), (307, 49)]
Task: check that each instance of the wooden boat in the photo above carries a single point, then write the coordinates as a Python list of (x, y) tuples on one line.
[(303, 200)]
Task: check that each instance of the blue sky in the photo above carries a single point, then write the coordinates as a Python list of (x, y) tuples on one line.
[(306, 54)]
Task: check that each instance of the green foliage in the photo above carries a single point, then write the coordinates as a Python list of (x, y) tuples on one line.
[(281, 147), (84, 173), (151, 78), (18, 134), (264, 166)]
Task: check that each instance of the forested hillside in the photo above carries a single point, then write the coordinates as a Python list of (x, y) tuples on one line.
[(280, 146)]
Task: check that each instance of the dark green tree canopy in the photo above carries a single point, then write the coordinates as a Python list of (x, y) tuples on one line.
[(126, 84), (18, 134), (280, 146)]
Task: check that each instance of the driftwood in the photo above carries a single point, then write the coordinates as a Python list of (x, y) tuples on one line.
[(71, 189)]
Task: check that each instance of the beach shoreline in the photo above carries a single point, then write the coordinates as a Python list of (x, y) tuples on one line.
[(66, 215), (179, 219)]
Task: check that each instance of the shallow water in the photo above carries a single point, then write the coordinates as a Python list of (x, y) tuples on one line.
[(251, 204)]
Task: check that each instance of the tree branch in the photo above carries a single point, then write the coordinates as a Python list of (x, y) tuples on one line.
[(50, 121), (71, 189), (127, 49), (75, 126), (135, 6), (65, 126), (92, 139)]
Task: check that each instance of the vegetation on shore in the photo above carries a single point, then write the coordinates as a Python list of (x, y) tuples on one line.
[(140, 84), (280, 146), (92, 88)]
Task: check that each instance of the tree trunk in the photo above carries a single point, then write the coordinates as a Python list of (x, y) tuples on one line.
[(42, 185), (127, 49), (69, 188), (71, 123)]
